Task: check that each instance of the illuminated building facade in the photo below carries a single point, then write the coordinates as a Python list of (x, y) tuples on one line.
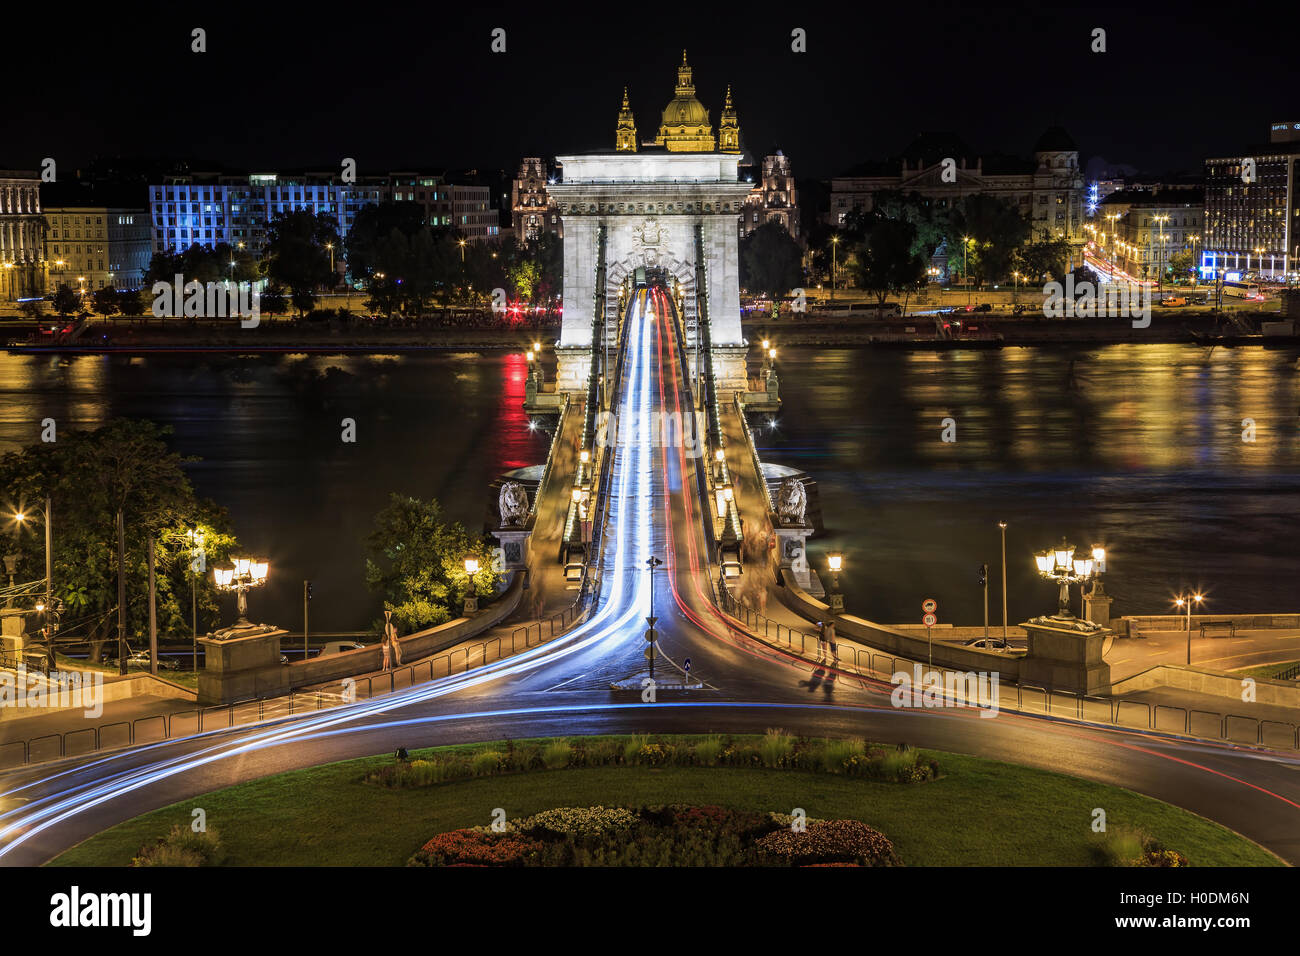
[(1048, 190), (773, 198), (93, 247), (22, 236), (1141, 232), (465, 207), (212, 209), (532, 212), (1252, 209)]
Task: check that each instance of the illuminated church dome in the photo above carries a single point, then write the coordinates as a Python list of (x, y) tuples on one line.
[(685, 127)]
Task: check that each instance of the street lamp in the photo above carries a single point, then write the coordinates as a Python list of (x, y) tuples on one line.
[(1059, 564), (1185, 601), (47, 516), (1002, 525), (835, 244), (836, 562), (471, 598), (240, 575), (195, 535)]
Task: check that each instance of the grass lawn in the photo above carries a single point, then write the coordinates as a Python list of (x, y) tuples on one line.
[(979, 813), (1267, 671)]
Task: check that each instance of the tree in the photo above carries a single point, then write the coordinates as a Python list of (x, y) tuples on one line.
[(886, 260), (992, 230), (931, 224), (136, 472), (1182, 265), (272, 299), (1047, 257), (134, 304), (66, 300), (296, 253), (106, 301), (525, 275), (770, 260), (416, 562), (374, 225), (34, 309)]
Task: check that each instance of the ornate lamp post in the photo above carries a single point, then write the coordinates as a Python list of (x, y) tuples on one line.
[(836, 562), (1059, 564), (240, 575)]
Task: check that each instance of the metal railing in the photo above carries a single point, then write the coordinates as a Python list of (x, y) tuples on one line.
[(1030, 698), (254, 710)]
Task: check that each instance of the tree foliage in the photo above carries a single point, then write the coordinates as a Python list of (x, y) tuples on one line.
[(415, 560), (297, 256), (89, 476), (886, 260), (770, 260), (992, 230)]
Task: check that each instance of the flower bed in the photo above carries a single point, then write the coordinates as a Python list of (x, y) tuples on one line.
[(675, 835)]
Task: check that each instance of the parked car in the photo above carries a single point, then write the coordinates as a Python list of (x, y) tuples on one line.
[(141, 659), (338, 647), (992, 644), (1174, 300)]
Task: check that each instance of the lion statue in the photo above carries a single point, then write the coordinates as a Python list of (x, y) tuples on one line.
[(513, 504), (791, 502)]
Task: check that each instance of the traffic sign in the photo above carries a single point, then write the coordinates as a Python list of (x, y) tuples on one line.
[(929, 605), (649, 652), (930, 620), (687, 664)]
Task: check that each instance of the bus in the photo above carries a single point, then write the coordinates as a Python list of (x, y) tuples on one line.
[(1242, 290)]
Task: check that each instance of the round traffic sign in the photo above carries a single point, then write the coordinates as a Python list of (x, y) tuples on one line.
[(651, 634), (930, 620), (649, 652), (929, 605)]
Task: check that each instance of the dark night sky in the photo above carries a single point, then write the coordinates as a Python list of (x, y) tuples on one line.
[(416, 86)]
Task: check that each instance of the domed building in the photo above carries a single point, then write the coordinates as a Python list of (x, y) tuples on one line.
[(684, 125)]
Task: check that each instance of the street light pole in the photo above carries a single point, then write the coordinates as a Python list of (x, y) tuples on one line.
[(1003, 526)]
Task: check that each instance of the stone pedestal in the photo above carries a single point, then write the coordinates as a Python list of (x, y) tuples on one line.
[(1065, 654), (1096, 605), (242, 662), (574, 365), (792, 550), (730, 369), (13, 630), (514, 547)]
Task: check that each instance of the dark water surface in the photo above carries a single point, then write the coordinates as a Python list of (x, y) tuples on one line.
[(269, 430), (1136, 447)]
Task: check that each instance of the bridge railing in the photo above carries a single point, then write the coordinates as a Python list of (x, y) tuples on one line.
[(840, 655), (166, 726)]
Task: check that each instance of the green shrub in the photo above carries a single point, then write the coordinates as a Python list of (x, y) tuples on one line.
[(556, 755), (182, 847), (836, 754), (486, 763), (775, 748), (708, 751), (1129, 846)]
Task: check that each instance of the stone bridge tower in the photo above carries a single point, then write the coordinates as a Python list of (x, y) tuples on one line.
[(675, 205)]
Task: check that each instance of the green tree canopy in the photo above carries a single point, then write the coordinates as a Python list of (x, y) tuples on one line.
[(770, 261), (90, 475), (991, 230), (296, 253), (415, 561), (887, 260)]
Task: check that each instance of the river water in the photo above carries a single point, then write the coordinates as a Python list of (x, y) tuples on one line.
[(1136, 447)]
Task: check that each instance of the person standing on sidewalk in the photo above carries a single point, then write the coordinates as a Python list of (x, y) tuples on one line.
[(390, 635)]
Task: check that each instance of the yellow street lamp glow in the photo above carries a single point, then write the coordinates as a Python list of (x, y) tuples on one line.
[(719, 456), (771, 353), (584, 456), (577, 495), (1098, 553), (836, 561), (1179, 602), (727, 493), (767, 344), (471, 566)]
